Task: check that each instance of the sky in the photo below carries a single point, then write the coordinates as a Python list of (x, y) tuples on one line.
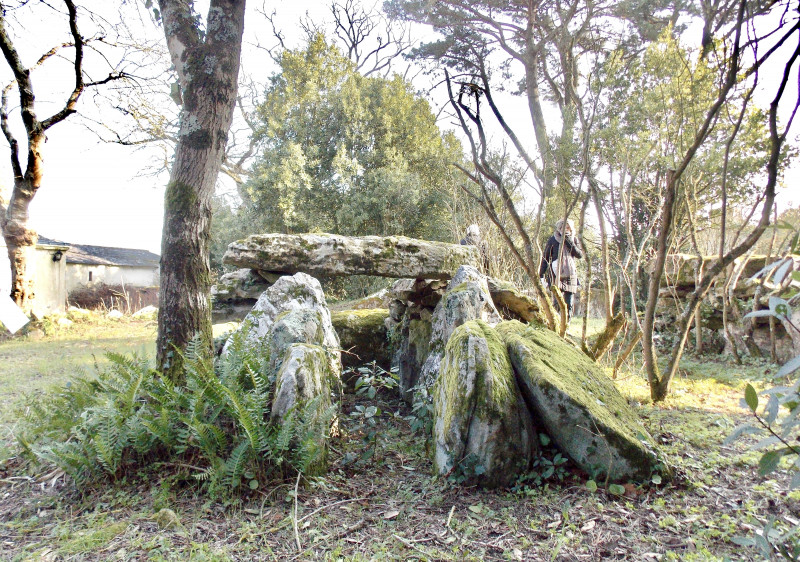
[(105, 194), (95, 192)]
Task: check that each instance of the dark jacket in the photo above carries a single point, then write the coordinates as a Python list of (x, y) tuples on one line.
[(481, 245), (568, 280)]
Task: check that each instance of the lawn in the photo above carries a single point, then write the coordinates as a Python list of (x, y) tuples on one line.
[(389, 507), (50, 355)]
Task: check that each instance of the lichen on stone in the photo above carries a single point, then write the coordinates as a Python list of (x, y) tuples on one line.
[(363, 335)]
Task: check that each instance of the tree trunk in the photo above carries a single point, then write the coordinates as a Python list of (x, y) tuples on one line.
[(648, 347), (23, 274), (607, 287), (208, 70), (20, 240)]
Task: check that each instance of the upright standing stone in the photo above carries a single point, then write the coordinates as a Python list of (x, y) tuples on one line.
[(482, 427), (295, 292), (467, 298)]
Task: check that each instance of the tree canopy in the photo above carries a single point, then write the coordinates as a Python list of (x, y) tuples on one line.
[(348, 153)]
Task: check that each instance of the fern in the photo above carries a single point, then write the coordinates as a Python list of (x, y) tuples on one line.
[(218, 420), (236, 463)]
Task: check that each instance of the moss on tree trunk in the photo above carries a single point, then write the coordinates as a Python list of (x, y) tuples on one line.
[(208, 68)]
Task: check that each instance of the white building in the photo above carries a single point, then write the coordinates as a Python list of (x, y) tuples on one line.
[(92, 265), (61, 267), (49, 265)]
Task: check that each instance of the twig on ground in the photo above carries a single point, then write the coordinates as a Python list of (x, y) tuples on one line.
[(410, 544), (450, 516), (344, 532), (304, 517), (294, 519)]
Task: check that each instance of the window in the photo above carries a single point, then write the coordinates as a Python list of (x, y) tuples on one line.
[(90, 277)]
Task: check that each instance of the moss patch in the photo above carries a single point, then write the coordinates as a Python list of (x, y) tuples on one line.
[(480, 418), (92, 540), (363, 334), (492, 376), (580, 406)]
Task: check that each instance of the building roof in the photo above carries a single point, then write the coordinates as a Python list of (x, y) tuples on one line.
[(103, 255)]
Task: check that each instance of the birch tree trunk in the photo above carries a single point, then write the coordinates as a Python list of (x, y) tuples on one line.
[(208, 68)]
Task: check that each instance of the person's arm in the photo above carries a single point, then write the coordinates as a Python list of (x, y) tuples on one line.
[(546, 257), (572, 246)]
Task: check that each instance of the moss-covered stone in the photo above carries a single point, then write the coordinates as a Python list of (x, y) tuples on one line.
[(513, 304), (482, 427), (579, 406), (239, 285), (467, 298), (331, 255), (414, 347), (304, 375), (362, 335), (302, 326), (379, 299)]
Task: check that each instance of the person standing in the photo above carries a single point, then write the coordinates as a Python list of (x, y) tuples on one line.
[(473, 238), (562, 249)]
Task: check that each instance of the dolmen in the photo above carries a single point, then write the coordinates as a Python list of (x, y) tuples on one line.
[(473, 346)]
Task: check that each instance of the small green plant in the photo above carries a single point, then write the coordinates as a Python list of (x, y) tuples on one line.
[(372, 379), (217, 422), (371, 382), (777, 421), (421, 417), (548, 466), (366, 418), (466, 469)]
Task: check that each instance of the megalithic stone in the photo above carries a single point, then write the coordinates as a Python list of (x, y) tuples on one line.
[(330, 255)]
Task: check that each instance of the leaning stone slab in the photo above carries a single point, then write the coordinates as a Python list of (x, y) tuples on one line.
[(331, 255), (377, 300), (579, 406), (467, 298), (238, 285), (234, 295), (512, 303), (482, 427)]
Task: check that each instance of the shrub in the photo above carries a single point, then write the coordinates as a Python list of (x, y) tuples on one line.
[(779, 418), (217, 423), (106, 297)]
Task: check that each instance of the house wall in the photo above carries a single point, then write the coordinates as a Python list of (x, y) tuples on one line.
[(50, 287), (77, 275)]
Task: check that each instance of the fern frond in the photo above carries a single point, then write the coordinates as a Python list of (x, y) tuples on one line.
[(236, 463)]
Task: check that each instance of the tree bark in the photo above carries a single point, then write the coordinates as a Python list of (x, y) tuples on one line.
[(208, 70), (20, 240), (648, 346), (604, 261)]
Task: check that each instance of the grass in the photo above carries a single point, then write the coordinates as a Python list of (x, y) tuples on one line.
[(50, 355), (389, 507), (48, 358)]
